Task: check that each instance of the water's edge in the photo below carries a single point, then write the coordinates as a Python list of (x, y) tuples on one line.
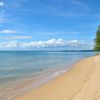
[(47, 66)]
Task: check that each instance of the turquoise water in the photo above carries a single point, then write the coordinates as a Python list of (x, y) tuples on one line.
[(19, 67)]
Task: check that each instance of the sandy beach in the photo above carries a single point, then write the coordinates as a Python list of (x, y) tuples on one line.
[(82, 82)]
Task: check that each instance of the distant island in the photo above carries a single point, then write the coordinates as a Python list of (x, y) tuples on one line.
[(77, 50)]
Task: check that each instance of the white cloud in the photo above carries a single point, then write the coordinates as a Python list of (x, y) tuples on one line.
[(8, 31), (18, 37), (15, 37), (45, 44), (12, 44), (1, 4)]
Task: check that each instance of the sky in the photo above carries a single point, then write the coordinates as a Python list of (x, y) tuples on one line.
[(48, 24)]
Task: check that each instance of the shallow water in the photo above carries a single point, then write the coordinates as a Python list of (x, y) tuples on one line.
[(19, 67)]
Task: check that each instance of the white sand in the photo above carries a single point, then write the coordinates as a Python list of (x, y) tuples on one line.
[(82, 82)]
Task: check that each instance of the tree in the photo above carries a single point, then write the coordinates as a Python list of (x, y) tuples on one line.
[(97, 40)]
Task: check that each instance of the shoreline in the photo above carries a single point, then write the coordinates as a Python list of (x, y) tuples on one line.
[(37, 82), (40, 80), (65, 86)]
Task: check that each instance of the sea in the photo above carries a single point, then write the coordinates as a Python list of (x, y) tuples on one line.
[(23, 71)]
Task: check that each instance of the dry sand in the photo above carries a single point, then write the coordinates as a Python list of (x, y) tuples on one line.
[(82, 82)]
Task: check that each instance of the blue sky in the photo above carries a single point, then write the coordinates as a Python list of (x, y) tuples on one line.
[(32, 24)]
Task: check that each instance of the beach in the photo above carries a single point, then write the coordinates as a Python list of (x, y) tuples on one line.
[(82, 82), (49, 50), (24, 71)]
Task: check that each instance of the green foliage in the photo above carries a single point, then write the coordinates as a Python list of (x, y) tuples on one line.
[(97, 40)]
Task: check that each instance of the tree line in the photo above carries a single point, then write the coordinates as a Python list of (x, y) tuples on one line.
[(97, 40)]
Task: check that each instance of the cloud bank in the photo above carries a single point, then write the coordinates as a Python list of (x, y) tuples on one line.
[(52, 43)]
